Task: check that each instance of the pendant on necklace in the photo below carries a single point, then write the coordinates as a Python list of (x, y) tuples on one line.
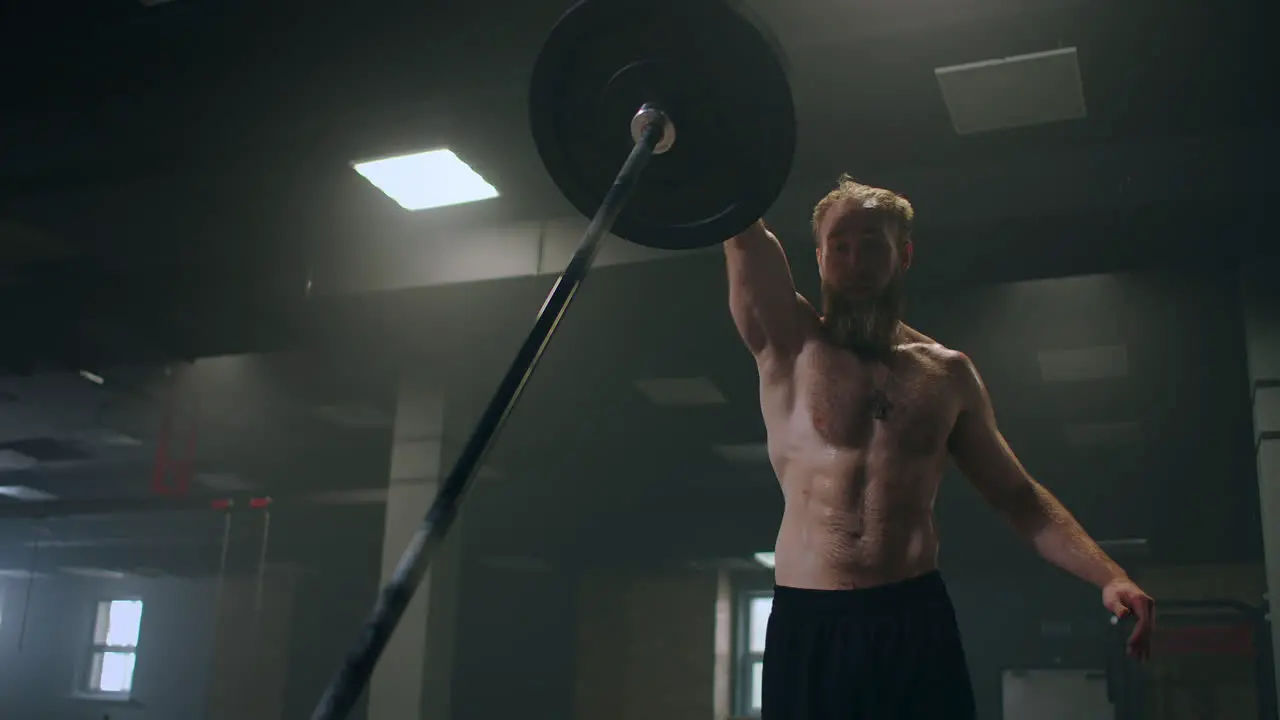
[(880, 405)]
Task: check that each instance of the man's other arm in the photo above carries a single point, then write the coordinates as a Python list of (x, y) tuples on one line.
[(984, 457)]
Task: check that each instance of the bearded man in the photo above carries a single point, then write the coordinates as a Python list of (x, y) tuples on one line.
[(862, 413)]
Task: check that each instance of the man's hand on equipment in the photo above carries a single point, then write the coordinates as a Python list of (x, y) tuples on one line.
[(1123, 597)]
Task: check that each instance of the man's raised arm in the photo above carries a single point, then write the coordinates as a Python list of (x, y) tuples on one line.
[(767, 310)]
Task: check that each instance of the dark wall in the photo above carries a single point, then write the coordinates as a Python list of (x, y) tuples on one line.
[(331, 608), (1186, 389), (516, 645), (41, 677), (646, 646)]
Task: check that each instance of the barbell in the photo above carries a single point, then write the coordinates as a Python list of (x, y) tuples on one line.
[(690, 99)]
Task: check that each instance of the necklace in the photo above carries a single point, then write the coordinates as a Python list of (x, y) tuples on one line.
[(878, 401)]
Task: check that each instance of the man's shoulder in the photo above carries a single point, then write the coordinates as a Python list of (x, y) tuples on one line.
[(917, 343), (935, 356)]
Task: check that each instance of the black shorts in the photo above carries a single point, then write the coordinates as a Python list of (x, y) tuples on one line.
[(891, 652)]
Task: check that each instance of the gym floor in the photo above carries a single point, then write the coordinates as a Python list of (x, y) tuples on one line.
[(234, 370)]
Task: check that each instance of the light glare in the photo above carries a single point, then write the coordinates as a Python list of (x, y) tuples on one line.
[(94, 378), (432, 179)]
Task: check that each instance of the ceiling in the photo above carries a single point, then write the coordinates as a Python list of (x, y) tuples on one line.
[(174, 179)]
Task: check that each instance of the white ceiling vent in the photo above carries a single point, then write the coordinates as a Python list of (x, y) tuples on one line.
[(12, 461), (680, 392), (1092, 363), (1013, 92), (20, 573)]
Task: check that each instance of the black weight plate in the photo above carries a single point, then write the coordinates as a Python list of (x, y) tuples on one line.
[(719, 76)]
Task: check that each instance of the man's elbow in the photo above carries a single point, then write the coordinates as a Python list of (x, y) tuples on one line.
[(1020, 506), (755, 236)]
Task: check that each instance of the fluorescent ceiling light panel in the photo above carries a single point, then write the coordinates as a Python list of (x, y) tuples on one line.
[(432, 179), (94, 378), (17, 573), (26, 494), (1123, 543), (92, 572)]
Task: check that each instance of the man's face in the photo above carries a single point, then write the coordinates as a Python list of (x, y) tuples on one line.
[(858, 251), (861, 261)]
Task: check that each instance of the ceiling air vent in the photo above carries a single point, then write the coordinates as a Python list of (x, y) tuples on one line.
[(14, 461), (1013, 92)]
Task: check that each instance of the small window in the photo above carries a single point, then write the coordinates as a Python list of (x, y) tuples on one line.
[(755, 623), (115, 647)]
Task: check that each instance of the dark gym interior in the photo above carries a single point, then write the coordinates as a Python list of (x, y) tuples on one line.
[(233, 370)]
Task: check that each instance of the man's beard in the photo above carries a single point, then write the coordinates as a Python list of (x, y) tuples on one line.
[(864, 325)]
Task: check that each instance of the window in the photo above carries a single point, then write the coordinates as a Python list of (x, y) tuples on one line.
[(753, 623), (115, 647)]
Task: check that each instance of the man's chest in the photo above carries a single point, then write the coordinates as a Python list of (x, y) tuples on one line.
[(906, 404)]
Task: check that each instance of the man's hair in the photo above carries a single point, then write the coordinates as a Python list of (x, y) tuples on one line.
[(890, 206)]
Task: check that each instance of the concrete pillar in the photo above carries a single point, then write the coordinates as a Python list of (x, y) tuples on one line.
[(1260, 296), (414, 677)]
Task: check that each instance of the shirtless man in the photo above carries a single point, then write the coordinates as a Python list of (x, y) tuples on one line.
[(862, 413)]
